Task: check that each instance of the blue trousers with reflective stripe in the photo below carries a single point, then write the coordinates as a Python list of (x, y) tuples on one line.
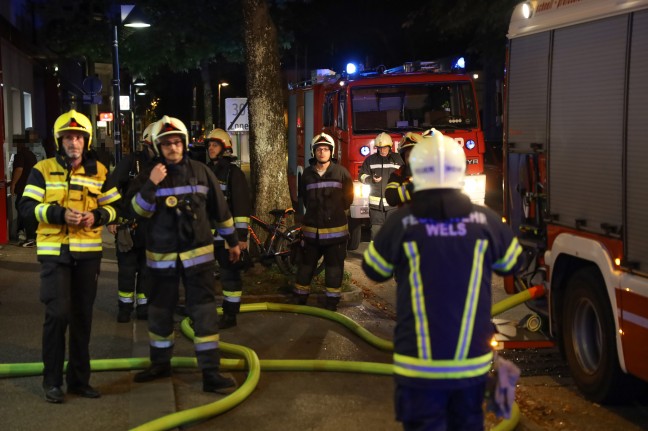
[(459, 409)]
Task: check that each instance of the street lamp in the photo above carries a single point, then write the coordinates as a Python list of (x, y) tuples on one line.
[(220, 84), (129, 21)]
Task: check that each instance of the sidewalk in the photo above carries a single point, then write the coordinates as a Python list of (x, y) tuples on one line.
[(291, 400)]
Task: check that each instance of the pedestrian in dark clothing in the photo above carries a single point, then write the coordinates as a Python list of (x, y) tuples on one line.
[(442, 249), (399, 187), (23, 162)]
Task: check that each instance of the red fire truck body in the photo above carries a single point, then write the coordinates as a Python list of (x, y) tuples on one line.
[(354, 109), (575, 181)]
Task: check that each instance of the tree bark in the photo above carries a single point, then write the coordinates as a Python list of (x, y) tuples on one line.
[(207, 95), (268, 143)]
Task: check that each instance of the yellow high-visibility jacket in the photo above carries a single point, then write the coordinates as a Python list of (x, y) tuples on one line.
[(51, 189)]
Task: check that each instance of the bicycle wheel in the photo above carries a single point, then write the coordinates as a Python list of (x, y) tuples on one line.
[(259, 251), (289, 252)]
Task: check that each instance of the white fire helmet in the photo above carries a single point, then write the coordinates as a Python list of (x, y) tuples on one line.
[(168, 126), (383, 140), (147, 137), (437, 162), (322, 139)]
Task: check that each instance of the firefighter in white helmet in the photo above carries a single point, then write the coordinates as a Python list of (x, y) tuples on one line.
[(234, 186), (71, 200), (442, 249), (375, 171), (399, 186), (181, 198), (133, 284), (327, 191)]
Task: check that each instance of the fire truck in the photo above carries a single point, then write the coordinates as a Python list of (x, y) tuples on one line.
[(576, 193), (355, 107)]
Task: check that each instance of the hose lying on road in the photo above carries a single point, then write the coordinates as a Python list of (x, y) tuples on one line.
[(250, 361)]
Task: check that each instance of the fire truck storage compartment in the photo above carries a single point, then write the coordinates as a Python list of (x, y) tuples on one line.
[(584, 133)]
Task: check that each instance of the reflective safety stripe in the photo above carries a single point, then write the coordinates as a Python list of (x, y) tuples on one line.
[(161, 260), (207, 342), (510, 257), (326, 233), (223, 187), (333, 292), (417, 296), (375, 200), (197, 256), (377, 262), (225, 227), (472, 299), (324, 185), (404, 194), (108, 197), (232, 295), (184, 190), (82, 181), (301, 289), (160, 341), (142, 207), (84, 245), (36, 193), (126, 297), (41, 213), (112, 213), (363, 177), (442, 369), (48, 248), (384, 166), (142, 299)]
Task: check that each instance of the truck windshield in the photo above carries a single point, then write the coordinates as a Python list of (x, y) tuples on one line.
[(413, 106)]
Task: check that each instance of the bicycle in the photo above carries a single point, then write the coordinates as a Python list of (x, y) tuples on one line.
[(282, 245)]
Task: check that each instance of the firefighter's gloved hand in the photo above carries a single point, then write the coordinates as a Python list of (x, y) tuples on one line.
[(502, 394), (124, 239)]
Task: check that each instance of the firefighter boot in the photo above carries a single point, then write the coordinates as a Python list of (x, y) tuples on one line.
[(228, 319), (153, 372), (213, 381), (332, 303), (142, 312), (300, 298), (124, 312)]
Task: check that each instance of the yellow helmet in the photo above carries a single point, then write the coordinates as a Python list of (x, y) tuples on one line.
[(322, 139), (72, 121), (383, 140), (221, 136), (168, 126), (408, 141)]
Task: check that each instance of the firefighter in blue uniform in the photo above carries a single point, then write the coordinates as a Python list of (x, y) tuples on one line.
[(327, 190), (133, 284), (71, 200), (375, 170), (442, 249), (180, 198), (234, 186)]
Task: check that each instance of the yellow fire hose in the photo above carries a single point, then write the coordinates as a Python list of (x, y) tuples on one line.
[(250, 362)]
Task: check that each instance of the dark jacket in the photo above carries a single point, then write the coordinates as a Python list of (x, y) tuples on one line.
[(182, 210), (326, 198), (442, 249), (378, 166), (234, 186), (399, 187)]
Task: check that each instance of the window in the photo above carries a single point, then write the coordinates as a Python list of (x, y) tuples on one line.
[(327, 112), (27, 107), (341, 117)]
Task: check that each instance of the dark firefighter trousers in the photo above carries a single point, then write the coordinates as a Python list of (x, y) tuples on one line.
[(133, 279), (230, 278), (451, 409), (377, 218), (68, 291), (334, 255), (200, 301)]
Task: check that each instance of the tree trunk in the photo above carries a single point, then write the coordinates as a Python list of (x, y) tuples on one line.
[(207, 95), (268, 143)]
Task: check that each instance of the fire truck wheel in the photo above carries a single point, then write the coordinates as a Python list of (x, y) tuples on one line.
[(589, 339)]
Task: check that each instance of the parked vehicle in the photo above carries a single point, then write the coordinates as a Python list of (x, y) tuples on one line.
[(355, 107), (575, 181)]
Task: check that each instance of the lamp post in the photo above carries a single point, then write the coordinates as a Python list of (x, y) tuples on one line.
[(135, 22), (220, 84)]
